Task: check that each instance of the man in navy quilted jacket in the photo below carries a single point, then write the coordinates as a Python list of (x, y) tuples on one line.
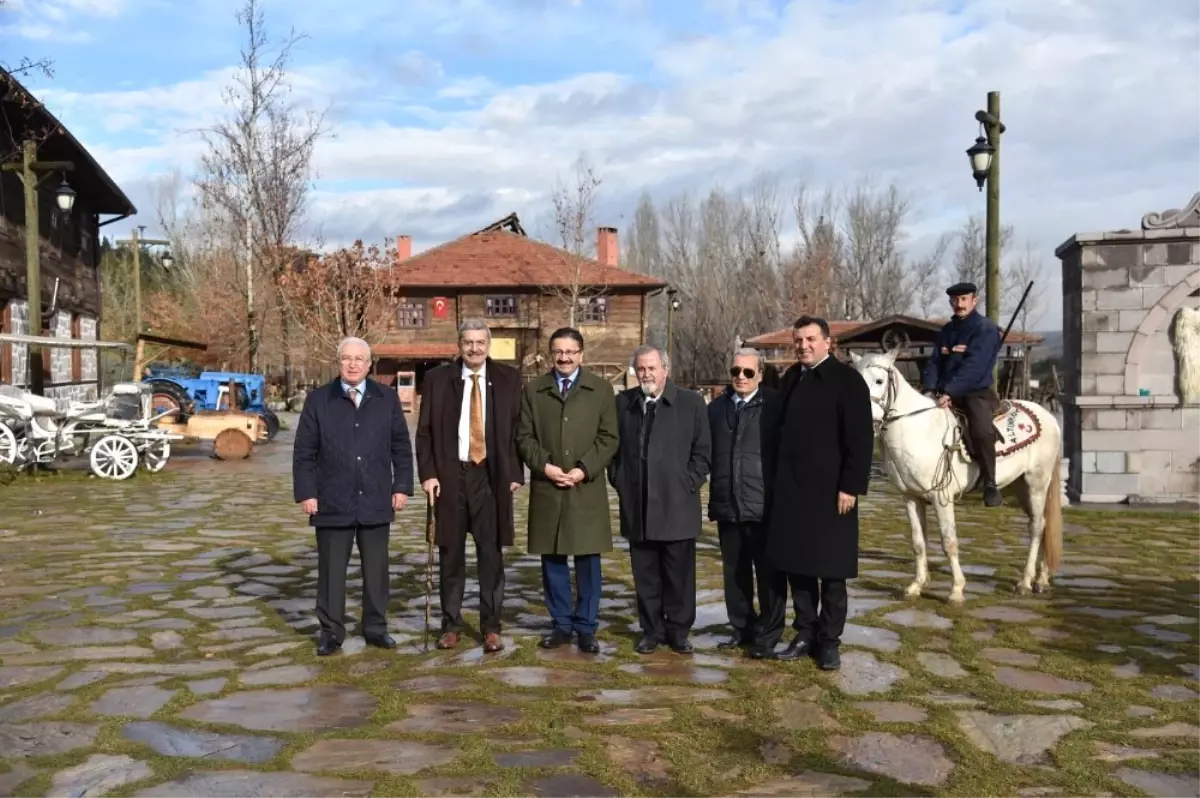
[(959, 374), (352, 469)]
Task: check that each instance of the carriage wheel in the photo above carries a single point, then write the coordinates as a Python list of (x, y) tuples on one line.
[(232, 444), (8, 446), (155, 458), (114, 457)]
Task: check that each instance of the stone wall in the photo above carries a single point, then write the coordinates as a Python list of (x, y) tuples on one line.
[(18, 323), (1127, 434)]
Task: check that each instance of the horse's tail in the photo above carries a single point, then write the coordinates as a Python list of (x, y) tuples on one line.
[(1052, 531)]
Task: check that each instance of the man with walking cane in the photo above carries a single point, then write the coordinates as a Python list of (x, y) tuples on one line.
[(469, 469)]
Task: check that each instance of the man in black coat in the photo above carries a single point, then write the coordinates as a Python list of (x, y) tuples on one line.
[(737, 495), (468, 464), (351, 471), (820, 444), (661, 463)]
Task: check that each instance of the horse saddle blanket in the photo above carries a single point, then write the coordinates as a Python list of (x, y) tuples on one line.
[(1016, 427)]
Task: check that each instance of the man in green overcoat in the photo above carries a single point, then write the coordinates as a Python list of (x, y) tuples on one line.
[(567, 434)]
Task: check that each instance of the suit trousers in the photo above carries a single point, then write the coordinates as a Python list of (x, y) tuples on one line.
[(664, 579), (980, 407), (477, 516), (743, 547), (334, 545), (772, 608), (583, 614)]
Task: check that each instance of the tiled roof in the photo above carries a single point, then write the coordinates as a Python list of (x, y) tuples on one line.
[(500, 258), (416, 351), (841, 330)]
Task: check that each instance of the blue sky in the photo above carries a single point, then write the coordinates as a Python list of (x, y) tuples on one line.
[(447, 115)]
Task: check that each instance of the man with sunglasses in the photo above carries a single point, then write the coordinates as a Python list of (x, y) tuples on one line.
[(737, 495)]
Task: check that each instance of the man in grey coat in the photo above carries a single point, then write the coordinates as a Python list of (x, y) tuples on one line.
[(661, 463)]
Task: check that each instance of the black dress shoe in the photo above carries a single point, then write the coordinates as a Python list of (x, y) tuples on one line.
[(555, 639), (992, 497), (647, 645), (588, 644), (326, 645), (682, 646), (799, 648), (380, 641), (733, 642), (828, 658), (762, 652)]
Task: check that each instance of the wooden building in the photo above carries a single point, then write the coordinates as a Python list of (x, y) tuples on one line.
[(522, 288), (69, 247), (913, 337)]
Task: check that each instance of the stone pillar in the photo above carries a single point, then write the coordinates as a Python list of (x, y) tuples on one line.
[(1128, 434)]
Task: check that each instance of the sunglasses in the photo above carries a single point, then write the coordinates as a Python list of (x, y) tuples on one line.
[(735, 372)]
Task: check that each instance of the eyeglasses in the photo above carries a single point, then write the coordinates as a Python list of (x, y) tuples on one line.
[(358, 361), (735, 372), (564, 352)]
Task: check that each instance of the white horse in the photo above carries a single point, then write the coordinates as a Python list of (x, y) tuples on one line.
[(926, 462)]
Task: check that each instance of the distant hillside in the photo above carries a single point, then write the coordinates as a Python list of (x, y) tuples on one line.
[(1052, 347)]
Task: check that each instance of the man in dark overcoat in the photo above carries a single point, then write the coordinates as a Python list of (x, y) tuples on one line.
[(468, 466), (737, 496), (351, 471), (567, 435), (821, 441), (662, 462)]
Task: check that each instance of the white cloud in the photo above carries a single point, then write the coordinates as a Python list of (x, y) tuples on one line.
[(1101, 100), (55, 20)]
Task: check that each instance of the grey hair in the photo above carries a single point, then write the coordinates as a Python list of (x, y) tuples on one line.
[(345, 342), (749, 351), (474, 324), (646, 349)]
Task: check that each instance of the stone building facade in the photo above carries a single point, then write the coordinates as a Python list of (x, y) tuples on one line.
[(1130, 434)]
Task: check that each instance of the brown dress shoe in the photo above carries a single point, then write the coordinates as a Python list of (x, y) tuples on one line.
[(448, 640), (492, 643)]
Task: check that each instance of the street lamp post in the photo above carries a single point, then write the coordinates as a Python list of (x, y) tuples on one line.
[(672, 306), (136, 242), (64, 198), (985, 168)]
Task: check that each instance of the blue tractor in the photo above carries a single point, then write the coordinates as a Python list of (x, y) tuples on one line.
[(186, 392)]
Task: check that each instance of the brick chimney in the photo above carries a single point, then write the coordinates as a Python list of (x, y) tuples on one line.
[(403, 247), (606, 245)]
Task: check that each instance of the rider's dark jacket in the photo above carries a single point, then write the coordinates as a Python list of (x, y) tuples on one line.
[(964, 355)]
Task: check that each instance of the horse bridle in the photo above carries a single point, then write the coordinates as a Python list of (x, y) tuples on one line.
[(889, 397)]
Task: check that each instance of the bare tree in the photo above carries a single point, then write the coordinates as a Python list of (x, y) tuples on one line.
[(574, 226), (970, 254), (1026, 267), (811, 276), (877, 280), (722, 254), (257, 170)]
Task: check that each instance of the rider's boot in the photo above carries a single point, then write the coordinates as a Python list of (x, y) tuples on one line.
[(991, 494)]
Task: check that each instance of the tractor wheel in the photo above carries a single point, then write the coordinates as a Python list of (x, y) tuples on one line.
[(272, 423), (170, 397)]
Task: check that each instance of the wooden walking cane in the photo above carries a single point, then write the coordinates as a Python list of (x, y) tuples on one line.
[(430, 533)]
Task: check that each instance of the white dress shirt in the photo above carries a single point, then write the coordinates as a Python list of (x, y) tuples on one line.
[(464, 415)]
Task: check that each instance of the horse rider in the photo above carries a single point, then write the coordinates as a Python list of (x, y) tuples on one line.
[(960, 375)]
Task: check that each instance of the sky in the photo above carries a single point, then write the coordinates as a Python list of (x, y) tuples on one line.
[(445, 115)]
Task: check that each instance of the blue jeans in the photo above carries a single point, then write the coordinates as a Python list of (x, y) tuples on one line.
[(582, 615)]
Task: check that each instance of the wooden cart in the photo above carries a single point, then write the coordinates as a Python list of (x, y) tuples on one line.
[(234, 433)]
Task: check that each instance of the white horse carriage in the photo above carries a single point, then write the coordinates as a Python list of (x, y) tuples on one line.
[(116, 433), (926, 461)]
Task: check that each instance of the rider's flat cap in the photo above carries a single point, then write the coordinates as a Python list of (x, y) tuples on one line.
[(958, 289)]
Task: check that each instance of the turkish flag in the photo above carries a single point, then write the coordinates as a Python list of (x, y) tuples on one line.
[(440, 306)]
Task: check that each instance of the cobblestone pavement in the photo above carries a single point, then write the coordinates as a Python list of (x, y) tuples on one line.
[(156, 638)]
